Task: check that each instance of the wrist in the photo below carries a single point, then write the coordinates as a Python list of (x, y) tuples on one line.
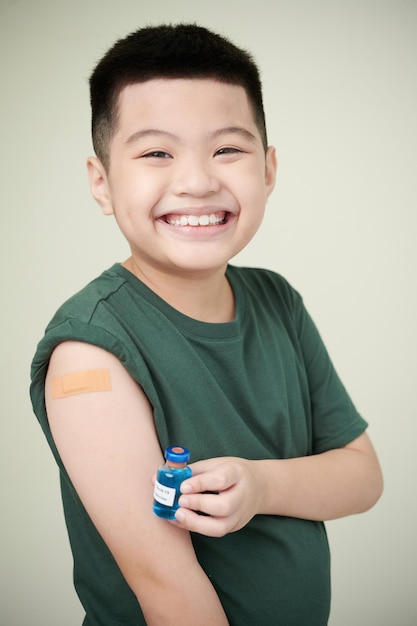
[(262, 471)]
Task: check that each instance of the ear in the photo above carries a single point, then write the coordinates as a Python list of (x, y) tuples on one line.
[(271, 166), (99, 184)]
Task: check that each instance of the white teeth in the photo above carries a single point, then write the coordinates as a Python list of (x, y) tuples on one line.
[(194, 220)]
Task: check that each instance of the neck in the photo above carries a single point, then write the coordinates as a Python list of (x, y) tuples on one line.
[(206, 297)]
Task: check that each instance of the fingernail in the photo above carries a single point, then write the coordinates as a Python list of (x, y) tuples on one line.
[(185, 502), (180, 515)]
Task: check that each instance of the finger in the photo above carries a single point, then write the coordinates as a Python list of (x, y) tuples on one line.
[(198, 467), (204, 525), (177, 524), (215, 505), (215, 479)]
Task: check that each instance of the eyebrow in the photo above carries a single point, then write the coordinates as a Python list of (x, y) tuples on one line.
[(227, 130), (147, 132), (234, 130)]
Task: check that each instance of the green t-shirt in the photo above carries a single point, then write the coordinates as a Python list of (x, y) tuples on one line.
[(259, 387)]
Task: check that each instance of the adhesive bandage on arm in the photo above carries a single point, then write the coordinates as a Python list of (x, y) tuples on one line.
[(80, 382)]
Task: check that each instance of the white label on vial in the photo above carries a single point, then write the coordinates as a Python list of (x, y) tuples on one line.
[(164, 495)]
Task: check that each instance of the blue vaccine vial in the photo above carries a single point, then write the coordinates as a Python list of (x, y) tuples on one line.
[(168, 480)]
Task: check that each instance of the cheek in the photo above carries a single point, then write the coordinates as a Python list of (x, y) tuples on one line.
[(253, 191), (133, 193)]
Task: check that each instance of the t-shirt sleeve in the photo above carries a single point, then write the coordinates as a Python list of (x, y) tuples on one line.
[(335, 419)]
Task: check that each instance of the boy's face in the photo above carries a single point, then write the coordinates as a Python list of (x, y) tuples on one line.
[(188, 179)]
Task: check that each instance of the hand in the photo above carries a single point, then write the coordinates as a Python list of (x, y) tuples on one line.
[(227, 490)]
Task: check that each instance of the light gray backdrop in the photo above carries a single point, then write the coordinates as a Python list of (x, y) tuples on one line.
[(341, 102)]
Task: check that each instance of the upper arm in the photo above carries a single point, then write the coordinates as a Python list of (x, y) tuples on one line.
[(109, 447), (363, 445)]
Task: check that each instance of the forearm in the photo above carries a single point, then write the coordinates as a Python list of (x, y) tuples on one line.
[(231, 491), (189, 595), (325, 486)]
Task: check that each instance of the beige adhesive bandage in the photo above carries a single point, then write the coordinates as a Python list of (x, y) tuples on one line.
[(80, 382)]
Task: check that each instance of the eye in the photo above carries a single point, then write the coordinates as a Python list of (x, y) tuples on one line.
[(228, 150), (157, 154)]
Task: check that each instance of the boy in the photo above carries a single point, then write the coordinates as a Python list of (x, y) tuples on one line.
[(177, 347)]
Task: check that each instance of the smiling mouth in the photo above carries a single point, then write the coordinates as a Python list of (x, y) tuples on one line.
[(208, 219)]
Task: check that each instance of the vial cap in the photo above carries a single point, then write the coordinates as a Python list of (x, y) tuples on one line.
[(177, 454)]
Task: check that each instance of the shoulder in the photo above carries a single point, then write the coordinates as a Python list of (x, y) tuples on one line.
[(84, 303), (92, 314), (82, 319)]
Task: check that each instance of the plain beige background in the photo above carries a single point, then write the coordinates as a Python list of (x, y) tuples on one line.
[(341, 102)]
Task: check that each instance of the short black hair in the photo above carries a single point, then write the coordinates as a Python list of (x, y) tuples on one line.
[(168, 51)]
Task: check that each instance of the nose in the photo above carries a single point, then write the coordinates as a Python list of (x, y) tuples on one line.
[(195, 177)]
